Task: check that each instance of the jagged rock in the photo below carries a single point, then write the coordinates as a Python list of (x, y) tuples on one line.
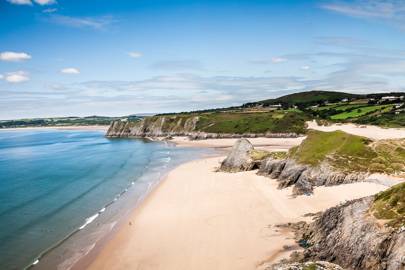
[(239, 159), (318, 265), (272, 167), (304, 178), (290, 174), (349, 236)]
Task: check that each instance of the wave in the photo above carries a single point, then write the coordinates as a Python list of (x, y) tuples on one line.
[(88, 221)]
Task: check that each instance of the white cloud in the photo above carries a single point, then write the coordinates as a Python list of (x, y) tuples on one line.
[(135, 54), (45, 2), (97, 23), (277, 60), (70, 71), (305, 67), (14, 56), (20, 2), (16, 77)]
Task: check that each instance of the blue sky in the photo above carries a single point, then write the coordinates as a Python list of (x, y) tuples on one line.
[(67, 57)]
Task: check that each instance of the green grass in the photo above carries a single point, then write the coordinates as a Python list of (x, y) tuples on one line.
[(350, 153), (385, 120), (260, 122), (259, 154), (357, 112), (390, 205), (311, 266)]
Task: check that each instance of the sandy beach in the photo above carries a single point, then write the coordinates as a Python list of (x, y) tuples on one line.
[(270, 144), (201, 219)]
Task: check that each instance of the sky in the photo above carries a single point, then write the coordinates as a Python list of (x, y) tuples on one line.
[(115, 58)]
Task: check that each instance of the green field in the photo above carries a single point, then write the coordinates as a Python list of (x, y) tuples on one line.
[(361, 111)]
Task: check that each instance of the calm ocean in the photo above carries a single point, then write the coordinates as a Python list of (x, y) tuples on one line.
[(67, 189)]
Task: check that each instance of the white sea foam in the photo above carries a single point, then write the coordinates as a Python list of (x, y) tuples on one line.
[(88, 221), (102, 210), (35, 262)]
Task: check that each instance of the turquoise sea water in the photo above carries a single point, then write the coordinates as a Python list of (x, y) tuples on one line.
[(58, 183)]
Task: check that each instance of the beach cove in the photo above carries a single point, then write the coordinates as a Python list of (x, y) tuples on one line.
[(198, 218)]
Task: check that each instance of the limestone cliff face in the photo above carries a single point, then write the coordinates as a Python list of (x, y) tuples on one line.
[(303, 177), (163, 126), (351, 237), (153, 127)]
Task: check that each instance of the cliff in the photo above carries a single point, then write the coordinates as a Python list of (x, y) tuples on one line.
[(352, 236), (212, 125)]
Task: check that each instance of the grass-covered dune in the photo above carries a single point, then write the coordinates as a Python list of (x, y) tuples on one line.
[(390, 206), (347, 152)]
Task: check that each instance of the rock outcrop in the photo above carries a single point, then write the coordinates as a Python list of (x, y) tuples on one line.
[(318, 265), (240, 158), (352, 237), (304, 177), (164, 126)]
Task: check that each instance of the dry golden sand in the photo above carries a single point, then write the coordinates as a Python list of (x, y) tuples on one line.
[(201, 219)]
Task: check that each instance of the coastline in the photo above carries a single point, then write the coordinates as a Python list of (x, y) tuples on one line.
[(83, 128), (197, 218)]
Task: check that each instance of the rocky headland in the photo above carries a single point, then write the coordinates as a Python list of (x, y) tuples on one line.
[(190, 126)]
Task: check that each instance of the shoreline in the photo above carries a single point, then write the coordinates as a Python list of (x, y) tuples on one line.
[(153, 238), (81, 128)]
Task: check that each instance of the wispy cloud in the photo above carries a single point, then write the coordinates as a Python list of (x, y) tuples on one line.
[(70, 71), (45, 2), (97, 23), (392, 11), (20, 2), (15, 77), (182, 65), (30, 2), (14, 56), (135, 54), (277, 60), (305, 67), (50, 10)]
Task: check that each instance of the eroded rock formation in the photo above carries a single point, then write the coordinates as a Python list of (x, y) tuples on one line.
[(350, 236), (304, 177)]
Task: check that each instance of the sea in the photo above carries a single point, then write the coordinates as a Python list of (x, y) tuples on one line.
[(64, 191)]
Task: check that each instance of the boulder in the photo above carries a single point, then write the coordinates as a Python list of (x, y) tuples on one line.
[(239, 159)]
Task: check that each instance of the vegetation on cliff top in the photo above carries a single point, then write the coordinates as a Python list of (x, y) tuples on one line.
[(350, 153), (252, 122), (390, 205)]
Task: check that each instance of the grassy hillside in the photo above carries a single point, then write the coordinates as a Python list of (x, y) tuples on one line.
[(390, 206), (349, 153), (259, 122), (305, 99)]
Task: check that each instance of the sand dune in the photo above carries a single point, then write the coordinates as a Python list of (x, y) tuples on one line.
[(201, 219), (372, 132)]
